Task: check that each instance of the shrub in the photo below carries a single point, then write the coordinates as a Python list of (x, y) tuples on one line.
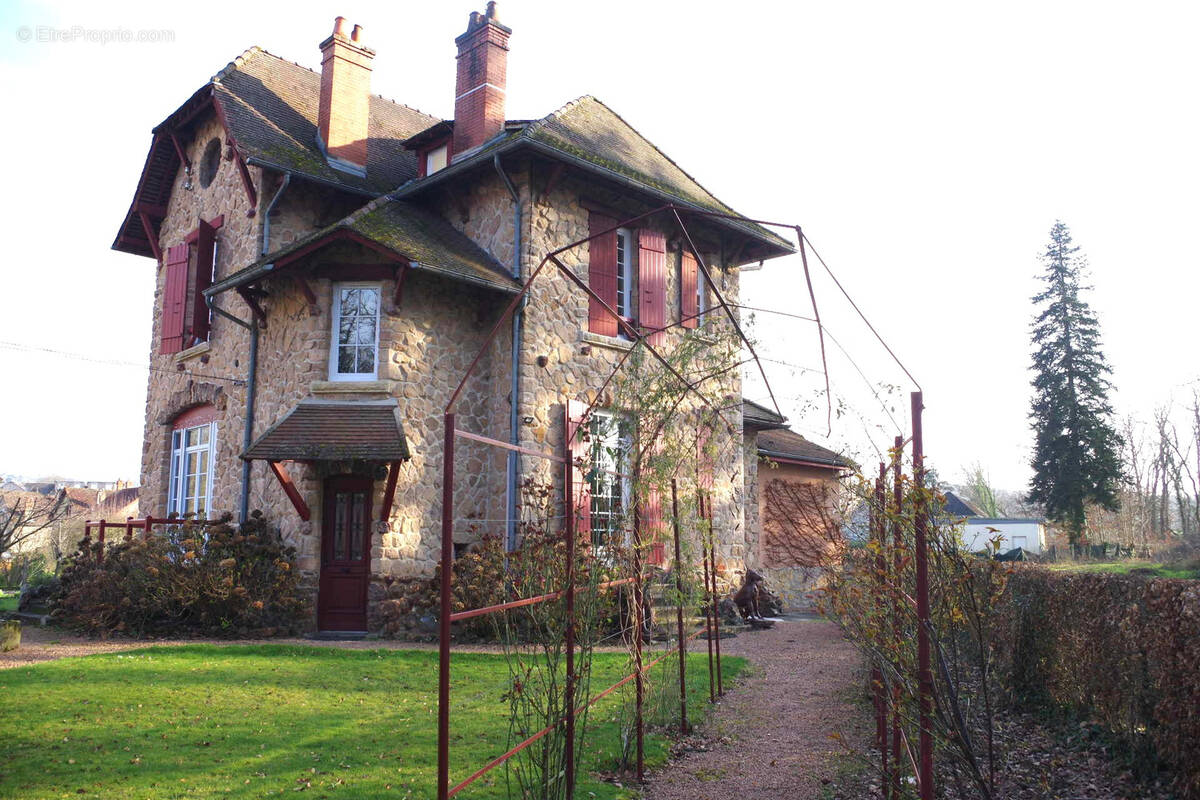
[(214, 580), (1120, 649)]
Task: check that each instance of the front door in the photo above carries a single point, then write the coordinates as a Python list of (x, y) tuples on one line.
[(345, 554)]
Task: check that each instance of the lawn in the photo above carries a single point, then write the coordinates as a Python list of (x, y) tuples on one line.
[(1155, 568), (243, 721), (8, 601)]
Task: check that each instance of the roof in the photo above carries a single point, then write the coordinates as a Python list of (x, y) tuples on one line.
[(759, 417), (791, 446), (83, 497), (270, 106), (413, 235), (958, 507), (591, 136), (328, 430)]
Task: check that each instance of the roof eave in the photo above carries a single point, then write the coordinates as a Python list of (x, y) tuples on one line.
[(486, 155)]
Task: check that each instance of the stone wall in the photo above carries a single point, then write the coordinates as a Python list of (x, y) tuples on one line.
[(426, 345)]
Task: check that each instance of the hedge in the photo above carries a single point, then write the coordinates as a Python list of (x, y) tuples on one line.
[(1121, 650)]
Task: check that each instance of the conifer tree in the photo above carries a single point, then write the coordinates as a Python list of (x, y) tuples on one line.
[(1076, 451)]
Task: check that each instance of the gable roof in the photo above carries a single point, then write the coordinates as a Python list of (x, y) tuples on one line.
[(591, 136), (958, 507), (791, 446), (269, 106), (410, 233)]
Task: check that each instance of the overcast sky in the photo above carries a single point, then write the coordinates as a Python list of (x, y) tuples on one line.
[(926, 148)]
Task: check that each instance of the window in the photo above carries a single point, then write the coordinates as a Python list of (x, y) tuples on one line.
[(611, 443), (436, 159), (190, 269), (701, 297), (1021, 542), (193, 446), (210, 162), (626, 291), (354, 350)]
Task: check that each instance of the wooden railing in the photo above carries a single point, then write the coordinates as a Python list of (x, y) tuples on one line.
[(127, 528)]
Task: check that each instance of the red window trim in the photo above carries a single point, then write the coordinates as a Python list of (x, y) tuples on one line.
[(424, 152), (196, 415), (216, 222)]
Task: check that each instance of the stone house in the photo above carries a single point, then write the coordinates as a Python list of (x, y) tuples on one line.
[(329, 265)]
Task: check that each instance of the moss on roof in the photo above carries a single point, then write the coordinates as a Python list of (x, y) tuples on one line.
[(412, 233)]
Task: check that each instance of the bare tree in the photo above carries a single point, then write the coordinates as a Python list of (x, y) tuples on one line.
[(24, 515)]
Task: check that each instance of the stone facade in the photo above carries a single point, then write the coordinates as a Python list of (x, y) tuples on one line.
[(427, 343)]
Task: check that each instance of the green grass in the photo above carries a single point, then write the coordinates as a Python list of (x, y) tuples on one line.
[(8, 602), (1125, 567), (243, 721)]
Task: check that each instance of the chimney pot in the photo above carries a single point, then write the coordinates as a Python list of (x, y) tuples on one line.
[(491, 11), (339, 23), (356, 34)]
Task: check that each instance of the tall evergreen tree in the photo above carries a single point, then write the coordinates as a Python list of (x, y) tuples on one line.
[(1076, 458)]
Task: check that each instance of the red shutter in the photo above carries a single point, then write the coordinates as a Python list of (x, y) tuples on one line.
[(652, 527), (174, 298), (578, 449), (602, 274), (688, 308), (205, 247), (652, 283)]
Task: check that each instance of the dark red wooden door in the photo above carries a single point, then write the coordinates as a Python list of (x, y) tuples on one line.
[(345, 554)]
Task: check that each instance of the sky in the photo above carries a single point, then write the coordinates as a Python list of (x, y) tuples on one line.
[(925, 148)]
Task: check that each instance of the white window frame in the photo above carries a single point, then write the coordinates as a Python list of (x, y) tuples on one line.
[(607, 436), (336, 322), (701, 297), (626, 290), (177, 496)]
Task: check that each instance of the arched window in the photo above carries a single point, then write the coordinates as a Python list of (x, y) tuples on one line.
[(193, 450)]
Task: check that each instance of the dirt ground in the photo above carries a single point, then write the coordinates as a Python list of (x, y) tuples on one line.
[(771, 737)]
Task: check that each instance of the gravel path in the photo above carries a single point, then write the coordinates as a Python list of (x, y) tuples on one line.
[(770, 737)]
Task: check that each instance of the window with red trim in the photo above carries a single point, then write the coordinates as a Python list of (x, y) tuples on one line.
[(193, 451)]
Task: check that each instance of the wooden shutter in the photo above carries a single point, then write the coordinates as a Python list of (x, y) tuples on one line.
[(652, 284), (653, 529), (206, 242), (688, 307), (174, 298), (578, 449), (602, 274)]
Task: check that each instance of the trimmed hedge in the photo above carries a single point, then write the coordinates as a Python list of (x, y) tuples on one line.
[(1119, 649)]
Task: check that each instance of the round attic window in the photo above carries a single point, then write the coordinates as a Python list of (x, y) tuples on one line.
[(210, 162)]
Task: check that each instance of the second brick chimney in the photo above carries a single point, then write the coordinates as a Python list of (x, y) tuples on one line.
[(344, 113), (479, 90)]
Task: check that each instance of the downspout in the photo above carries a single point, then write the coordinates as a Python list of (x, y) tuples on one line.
[(252, 366), (518, 325), (251, 385)]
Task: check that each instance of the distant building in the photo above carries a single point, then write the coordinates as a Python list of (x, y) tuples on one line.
[(978, 531)]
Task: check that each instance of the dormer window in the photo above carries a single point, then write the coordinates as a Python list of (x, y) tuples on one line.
[(437, 158)]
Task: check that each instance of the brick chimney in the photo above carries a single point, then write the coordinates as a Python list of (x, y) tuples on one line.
[(479, 90), (345, 98)]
